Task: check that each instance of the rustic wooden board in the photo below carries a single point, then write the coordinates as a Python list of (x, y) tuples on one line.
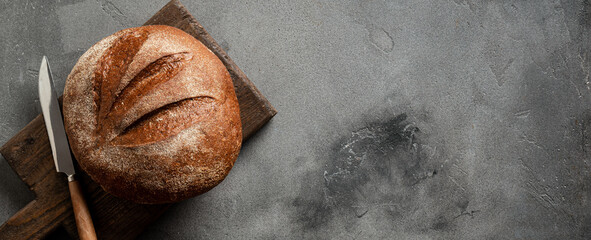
[(29, 154)]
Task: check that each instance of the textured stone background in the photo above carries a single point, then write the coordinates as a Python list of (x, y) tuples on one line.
[(423, 119)]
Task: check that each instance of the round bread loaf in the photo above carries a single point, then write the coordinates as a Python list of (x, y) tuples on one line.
[(152, 116)]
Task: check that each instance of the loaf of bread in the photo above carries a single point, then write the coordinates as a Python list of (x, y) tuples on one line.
[(152, 116)]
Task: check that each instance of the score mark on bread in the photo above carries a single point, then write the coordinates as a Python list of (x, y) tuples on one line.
[(180, 115), (112, 104)]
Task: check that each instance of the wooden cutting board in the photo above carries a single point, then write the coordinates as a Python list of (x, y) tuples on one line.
[(29, 154)]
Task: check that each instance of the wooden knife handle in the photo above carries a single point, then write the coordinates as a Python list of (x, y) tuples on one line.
[(81, 213)]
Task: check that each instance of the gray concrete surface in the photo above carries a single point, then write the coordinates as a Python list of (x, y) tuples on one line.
[(427, 119)]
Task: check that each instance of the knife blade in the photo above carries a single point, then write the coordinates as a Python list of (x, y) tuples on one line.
[(61, 150), (53, 121)]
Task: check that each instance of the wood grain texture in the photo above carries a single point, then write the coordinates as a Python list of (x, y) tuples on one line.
[(29, 154)]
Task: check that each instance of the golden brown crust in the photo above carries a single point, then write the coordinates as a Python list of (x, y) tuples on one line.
[(152, 116)]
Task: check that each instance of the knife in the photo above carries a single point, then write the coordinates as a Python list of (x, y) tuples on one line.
[(61, 150)]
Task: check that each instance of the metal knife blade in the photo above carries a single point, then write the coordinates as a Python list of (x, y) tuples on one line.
[(54, 122)]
